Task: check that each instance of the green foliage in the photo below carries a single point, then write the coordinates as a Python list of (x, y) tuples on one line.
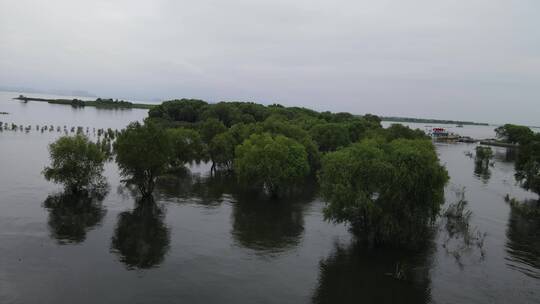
[(221, 150), (357, 129), (396, 131), (515, 134), (528, 166), (227, 128), (273, 163), (330, 136), (224, 112), (484, 153), (528, 159), (187, 110), (210, 128), (388, 192), (277, 126), (187, 146), (76, 162), (143, 152), (373, 119)]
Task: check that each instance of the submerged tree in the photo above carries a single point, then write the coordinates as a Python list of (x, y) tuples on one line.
[(76, 162), (482, 162), (143, 152), (272, 163), (388, 192)]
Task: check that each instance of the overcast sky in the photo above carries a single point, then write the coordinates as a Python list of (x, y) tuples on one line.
[(470, 59)]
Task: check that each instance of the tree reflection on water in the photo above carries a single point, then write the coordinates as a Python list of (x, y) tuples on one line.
[(523, 243), (268, 226), (482, 171), (141, 238), (354, 273), (71, 216), (259, 222)]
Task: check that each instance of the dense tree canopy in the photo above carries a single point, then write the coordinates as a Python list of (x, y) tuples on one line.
[(76, 162), (273, 163), (183, 110), (330, 136), (210, 128), (396, 131), (388, 192), (229, 128)]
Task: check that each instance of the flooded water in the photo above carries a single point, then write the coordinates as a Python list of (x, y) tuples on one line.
[(210, 242)]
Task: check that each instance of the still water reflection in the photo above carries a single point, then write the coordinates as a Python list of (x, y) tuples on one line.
[(141, 238), (523, 244), (72, 216), (353, 272)]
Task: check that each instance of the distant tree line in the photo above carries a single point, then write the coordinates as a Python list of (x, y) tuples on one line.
[(99, 102), (433, 121)]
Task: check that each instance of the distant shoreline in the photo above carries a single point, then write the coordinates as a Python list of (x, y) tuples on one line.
[(434, 121), (98, 103)]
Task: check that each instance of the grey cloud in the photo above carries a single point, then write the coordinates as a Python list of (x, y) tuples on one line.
[(474, 60)]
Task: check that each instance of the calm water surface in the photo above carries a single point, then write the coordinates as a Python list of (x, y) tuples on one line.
[(211, 243)]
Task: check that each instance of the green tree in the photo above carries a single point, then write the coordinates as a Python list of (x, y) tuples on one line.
[(76, 162), (187, 146), (373, 119), (278, 126), (528, 166), (330, 136), (225, 112), (143, 152), (183, 110), (482, 161), (388, 192), (396, 131), (210, 128), (273, 163), (515, 134), (221, 151)]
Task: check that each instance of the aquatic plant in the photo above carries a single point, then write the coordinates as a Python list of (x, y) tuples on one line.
[(461, 238)]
